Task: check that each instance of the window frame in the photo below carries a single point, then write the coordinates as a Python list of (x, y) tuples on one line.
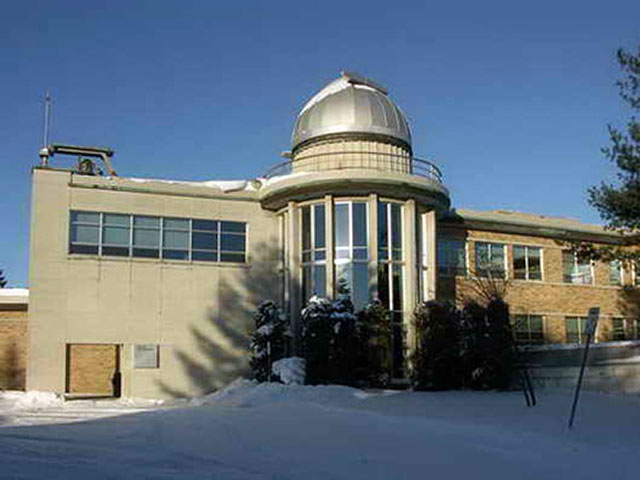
[(447, 269), (527, 276), (519, 317), (576, 268), (218, 255), (490, 248)]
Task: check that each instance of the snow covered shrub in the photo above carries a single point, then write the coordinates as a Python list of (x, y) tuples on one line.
[(342, 352), (487, 354), (437, 357), (290, 371), (270, 340), (329, 340), (317, 335), (373, 352)]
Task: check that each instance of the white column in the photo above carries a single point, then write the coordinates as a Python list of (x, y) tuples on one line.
[(294, 284), (429, 245), (328, 235), (410, 282), (373, 246)]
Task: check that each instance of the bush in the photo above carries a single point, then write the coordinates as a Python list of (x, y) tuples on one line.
[(269, 341), (437, 361), (373, 352)]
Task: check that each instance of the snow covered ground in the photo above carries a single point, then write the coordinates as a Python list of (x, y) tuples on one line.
[(272, 431)]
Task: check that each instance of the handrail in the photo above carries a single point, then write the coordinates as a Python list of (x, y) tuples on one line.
[(381, 162)]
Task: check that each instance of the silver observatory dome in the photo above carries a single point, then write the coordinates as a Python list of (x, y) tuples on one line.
[(351, 104)]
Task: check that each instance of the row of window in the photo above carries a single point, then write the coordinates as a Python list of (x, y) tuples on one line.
[(123, 235), (490, 260), (527, 329)]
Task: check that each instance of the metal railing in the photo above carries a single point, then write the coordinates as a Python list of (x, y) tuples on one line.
[(357, 160)]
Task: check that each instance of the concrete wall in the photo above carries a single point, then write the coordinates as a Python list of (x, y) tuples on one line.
[(199, 313), (612, 367)]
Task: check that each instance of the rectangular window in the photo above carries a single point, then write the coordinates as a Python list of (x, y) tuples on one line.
[(574, 271), (451, 257), (527, 329), (490, 259), (314, 270), (123, 235), (615, 272), (635, 329), (575, 327), (146, 236), (84, 233), (527, 263), (617, 329)]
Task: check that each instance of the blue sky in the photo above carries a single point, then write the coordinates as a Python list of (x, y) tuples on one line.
[(511, 99)]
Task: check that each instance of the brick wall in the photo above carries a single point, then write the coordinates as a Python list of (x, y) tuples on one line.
[(551, 297), (13, 349)]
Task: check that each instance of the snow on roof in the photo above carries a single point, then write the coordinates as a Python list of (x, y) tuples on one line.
[(14, 292), (224, 185)]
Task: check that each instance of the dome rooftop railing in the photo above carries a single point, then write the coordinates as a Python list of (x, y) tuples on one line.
[(376, 161)]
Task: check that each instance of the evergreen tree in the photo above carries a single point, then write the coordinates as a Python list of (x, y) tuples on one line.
[(373, 352), (317, 336), (437, 357), (3, 280), (342, 353), (619, 205), (269, 341)]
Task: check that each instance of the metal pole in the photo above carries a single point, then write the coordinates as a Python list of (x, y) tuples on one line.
[(592, 321)]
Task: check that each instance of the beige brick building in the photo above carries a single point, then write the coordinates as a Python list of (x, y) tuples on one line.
[(148, 287)]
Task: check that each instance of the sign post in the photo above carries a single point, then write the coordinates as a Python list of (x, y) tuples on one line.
[(589, 330)]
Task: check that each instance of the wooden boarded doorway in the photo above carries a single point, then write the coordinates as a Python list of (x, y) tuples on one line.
[(93, 369)]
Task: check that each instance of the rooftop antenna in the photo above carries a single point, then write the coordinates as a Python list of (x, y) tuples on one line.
[(47, 120)]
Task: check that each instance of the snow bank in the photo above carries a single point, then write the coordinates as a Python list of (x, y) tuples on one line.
[(31, 400)]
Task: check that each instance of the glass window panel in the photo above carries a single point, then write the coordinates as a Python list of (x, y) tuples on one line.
[(208, 225), (115, 235), (383, 284), (146, 252), (383, 253), (116, 219), (520, 263), (383, 239), (85, 234), (573, 329), (360, 286), (307, 283), (342, 253), (144, 221), (320, 255), (341, 225), (116, 251), (359, 224), (204, 241), (176, 224), (238, 227), (319, 224), (535, 267), (396, 225), (86, 249), (232, 257), (306, 256), (175, 240), (204, 256), (343, 279), (319, 280), (234, 243), (85, 217), (397, 287), (618, 329), (175, 254), (146, 238), (535, 323), (568, 263), (615, 277), (360, 253), (306, 228)]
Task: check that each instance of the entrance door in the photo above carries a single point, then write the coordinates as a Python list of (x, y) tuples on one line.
[(93, 369)]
